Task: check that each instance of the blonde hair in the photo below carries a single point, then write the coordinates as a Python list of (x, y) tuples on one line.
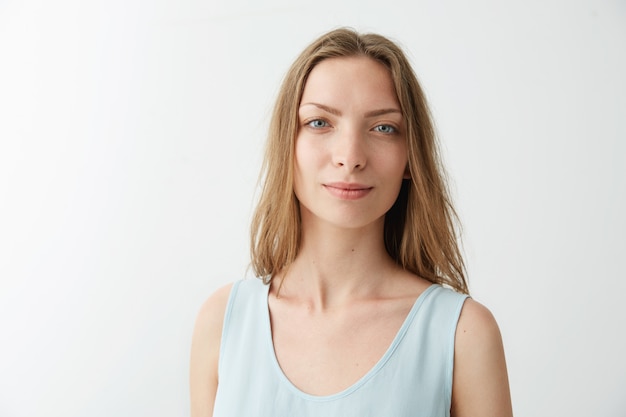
[(420, 229)]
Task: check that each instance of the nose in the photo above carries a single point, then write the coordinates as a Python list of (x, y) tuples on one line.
[(349, 151)]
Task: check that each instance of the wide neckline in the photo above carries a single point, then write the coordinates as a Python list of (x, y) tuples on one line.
[(361, 381)]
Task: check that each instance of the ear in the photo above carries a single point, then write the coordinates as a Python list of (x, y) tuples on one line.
[(407, 173)]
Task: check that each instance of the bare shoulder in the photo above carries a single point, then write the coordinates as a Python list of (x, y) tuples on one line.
[(476, 320), (205, 348), (212, 310), (210, 319), (480, 384)]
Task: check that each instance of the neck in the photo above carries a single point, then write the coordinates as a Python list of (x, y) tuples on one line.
[(336, 265)]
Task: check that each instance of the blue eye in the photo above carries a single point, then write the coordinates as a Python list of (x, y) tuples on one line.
[(388, 129), (317, 124)]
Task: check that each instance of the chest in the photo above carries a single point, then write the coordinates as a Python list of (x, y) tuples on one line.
[(413, 379), (325, 353)]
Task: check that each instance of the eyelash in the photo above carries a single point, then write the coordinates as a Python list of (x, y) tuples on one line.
[(391, 129), (310, 123)]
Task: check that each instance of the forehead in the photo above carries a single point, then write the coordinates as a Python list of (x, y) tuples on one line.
[(357, 79)]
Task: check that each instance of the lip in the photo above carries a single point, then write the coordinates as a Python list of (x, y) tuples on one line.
[(348, 190)]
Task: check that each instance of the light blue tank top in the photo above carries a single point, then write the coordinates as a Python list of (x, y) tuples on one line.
[(413, 378)]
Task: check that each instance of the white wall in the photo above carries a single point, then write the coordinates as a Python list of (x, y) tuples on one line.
[(130, 138)]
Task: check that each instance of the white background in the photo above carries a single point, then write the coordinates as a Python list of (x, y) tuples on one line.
[(130, 140)]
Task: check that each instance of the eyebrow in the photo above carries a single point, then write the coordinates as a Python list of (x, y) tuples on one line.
[(382, 112), (336, 112)]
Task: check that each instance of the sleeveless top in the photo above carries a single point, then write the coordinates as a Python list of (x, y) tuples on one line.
[(413, 377)]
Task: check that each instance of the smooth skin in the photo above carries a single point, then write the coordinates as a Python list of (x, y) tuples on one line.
[(336, 309)]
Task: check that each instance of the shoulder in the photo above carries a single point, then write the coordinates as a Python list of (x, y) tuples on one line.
[(210, 319), (205, 348), (480, 382), (214, 307), (476, 320)]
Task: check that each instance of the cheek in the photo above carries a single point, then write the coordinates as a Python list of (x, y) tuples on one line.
[(297, 163), (395, 162), (306, 157), (300, 165)]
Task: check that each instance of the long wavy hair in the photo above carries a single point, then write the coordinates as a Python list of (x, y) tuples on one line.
[(421, 228)]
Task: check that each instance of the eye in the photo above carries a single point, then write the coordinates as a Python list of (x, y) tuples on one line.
[(387, 129), (317, 124)]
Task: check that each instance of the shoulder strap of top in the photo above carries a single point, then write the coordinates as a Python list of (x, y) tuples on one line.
[(246, 306)]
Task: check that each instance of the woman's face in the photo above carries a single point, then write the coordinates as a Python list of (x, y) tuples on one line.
[(350, 151)]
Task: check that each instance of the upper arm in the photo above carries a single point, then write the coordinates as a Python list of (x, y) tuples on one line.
[(480, 384), (205, 348)]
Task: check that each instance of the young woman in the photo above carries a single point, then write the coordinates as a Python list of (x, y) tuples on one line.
[(362, 309)]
